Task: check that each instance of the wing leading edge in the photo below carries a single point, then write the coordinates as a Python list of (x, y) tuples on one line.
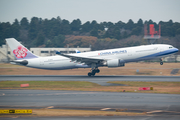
[(86, 60)]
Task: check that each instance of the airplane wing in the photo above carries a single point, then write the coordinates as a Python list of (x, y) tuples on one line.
[(86, 60)]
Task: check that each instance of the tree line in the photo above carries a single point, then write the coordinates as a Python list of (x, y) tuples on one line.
[(58, 32)]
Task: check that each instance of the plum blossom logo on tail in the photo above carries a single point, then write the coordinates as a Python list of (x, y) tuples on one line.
[(20, 52)]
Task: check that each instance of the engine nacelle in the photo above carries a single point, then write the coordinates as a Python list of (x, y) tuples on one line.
[(115, 63)]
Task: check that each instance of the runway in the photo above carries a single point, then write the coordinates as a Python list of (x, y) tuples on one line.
[(101, 80), (96, 100), (160, 106)]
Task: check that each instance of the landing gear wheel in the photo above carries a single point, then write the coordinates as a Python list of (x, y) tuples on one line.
[(89, 74), (97, 71), (93, 72), (161, 61)]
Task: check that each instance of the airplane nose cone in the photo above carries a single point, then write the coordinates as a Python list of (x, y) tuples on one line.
[(176, 49)]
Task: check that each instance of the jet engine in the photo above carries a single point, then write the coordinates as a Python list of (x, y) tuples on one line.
[(115, 63)]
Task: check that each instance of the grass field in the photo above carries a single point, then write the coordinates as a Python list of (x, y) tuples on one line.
[(159, 87)]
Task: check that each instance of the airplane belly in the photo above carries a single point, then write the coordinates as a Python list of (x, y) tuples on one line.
[(53, 64)]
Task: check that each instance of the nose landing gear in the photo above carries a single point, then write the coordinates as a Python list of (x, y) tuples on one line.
[(161, 61)]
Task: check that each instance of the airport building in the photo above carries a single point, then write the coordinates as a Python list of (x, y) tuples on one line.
[(7, 55), (51, 51)]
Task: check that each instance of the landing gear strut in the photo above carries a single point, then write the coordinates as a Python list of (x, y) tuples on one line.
[(93, 72), (161, 61)]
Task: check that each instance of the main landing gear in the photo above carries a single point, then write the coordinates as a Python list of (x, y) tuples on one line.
[(161, 61), (93, 72)]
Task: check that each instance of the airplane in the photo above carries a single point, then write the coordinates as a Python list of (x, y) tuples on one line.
[(93, 59)]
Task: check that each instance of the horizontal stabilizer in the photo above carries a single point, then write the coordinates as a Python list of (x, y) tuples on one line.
[(22, 62), (57, 52)]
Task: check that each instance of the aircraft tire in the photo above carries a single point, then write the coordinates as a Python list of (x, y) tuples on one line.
[(89, 74), (97, 71), (161, 63), (93, 73)]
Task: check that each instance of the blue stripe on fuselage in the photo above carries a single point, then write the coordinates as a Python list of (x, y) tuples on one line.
[(159, 54)]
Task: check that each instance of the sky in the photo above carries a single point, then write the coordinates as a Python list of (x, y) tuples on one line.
[(89, 10)]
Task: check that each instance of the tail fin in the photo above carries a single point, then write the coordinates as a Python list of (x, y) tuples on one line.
[(19, 50)]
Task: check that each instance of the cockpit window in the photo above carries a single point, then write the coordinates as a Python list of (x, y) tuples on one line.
[(170, 47)]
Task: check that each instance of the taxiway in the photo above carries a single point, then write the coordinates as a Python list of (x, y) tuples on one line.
[(102, 80)]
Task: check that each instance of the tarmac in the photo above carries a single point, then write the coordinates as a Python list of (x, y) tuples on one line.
[(101, 80), (159, 106)]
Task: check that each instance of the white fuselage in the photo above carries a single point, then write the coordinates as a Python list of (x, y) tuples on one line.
[(128, 54)]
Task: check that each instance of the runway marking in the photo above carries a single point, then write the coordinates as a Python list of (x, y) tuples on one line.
[(2, 94), (106, 108), (155, 111), (164, 112), (50, 107)]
